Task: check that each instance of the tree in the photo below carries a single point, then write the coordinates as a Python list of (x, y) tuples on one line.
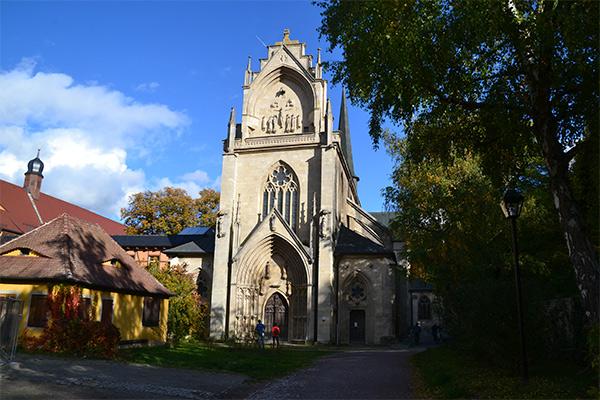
[(504, 79), (168, 211), (208, 207), (457, 240), (187, 310)]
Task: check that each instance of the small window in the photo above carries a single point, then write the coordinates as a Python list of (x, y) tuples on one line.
[(38, 307), (151, 316), (424, 308), (358, 291), (107, 311), (84, 308), (114, 263)]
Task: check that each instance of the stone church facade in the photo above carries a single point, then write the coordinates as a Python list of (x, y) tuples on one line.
[(293, 245)]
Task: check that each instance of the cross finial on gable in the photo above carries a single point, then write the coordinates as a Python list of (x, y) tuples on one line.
[(286, 36)]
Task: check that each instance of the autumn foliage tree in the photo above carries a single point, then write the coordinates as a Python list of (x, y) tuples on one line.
[(169, 211)]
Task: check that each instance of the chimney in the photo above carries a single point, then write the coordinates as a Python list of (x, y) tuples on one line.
[(33, 177)]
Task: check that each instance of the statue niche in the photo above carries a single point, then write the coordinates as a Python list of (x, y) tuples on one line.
[(275, 278), (284, 114)]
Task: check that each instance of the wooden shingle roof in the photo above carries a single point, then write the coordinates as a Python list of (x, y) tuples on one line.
[(73, 251)]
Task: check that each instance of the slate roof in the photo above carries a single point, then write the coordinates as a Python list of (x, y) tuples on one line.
[(185, 243), (196, 230), (73, 251), (204, 244), (350, 242), (18, 216)]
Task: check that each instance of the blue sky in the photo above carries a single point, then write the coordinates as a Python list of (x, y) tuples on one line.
[(128, 96)]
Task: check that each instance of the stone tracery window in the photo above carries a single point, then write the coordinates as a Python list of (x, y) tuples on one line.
[(281, 191), (358, 291)]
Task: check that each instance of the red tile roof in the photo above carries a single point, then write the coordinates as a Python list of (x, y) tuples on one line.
[(18, 216), (73, 251)]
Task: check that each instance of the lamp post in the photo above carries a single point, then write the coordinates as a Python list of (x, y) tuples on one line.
[(511, 205)]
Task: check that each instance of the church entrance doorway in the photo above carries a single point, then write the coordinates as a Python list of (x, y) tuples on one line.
[(276, 311), (357, 326)]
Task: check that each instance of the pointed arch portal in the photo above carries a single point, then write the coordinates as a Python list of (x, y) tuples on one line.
[(271, 282), (276, 312)]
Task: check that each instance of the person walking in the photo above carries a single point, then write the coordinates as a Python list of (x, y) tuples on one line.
[(260, 330), (275, 334), (416, 330), (435, 333)]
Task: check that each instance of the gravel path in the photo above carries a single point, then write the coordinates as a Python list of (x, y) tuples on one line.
[(374, 373)]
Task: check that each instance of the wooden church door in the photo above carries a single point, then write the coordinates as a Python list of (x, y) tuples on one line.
[(276, 311)]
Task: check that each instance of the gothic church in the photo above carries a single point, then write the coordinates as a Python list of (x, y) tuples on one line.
[(293, 245)]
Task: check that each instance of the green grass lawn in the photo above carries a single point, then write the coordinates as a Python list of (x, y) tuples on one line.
[(255, 363), (442, 373)]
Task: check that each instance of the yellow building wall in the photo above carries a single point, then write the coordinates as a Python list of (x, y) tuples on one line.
[(127, 311)]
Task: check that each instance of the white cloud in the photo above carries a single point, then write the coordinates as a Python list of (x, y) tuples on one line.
[(88, 134), (147, 87), (198, 176), (191, 182), (47, 100)]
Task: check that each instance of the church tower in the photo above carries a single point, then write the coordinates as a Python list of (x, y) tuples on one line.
[(287, 191), (33, 177)]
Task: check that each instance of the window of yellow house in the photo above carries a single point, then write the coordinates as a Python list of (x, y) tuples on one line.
[(3, 303), (106, 313), (151, 316), (84, 308), (37, 310)]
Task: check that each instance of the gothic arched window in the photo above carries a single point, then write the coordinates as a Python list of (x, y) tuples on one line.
[(424, 307), (281, 191)]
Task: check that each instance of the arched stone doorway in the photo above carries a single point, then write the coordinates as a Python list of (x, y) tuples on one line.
[(276, 311), (271, 273)]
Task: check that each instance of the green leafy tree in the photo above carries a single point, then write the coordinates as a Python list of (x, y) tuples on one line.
[(457, 240), (187, 310), (168, 211), (506, 80)]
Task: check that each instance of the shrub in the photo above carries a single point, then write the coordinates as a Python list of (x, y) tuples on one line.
[(65, 332)]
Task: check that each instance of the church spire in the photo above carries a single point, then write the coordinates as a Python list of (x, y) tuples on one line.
[(319, 67), (231, 127), (248, 76), (344, 128)]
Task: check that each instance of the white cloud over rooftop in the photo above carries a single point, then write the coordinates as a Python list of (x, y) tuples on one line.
[(90, 136)]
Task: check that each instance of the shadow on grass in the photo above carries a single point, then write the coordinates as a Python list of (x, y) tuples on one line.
[(442, 373)]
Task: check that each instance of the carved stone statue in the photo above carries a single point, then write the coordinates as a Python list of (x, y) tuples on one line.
[(324, 225), (220, 229)]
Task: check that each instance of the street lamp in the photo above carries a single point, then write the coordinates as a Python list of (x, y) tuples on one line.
[(511, 205)]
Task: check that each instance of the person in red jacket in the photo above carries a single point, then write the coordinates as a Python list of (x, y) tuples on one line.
[(275, 334)]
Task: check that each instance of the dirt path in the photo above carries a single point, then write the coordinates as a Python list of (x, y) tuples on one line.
[(354, 374)]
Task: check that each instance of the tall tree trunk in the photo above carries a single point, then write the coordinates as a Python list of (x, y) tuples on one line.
[(581, 249), (570, 215)]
